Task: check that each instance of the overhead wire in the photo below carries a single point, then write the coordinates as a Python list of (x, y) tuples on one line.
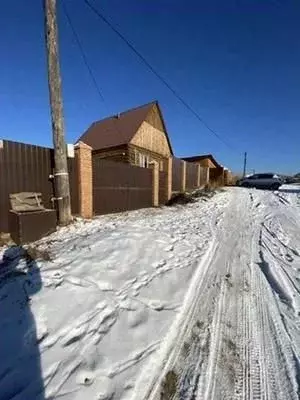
[(83, 54), (86, 62), (157, 74)]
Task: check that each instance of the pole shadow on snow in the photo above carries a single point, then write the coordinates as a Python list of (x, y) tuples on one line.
[(20, 366)]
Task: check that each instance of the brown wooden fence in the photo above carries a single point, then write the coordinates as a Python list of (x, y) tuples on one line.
[(176, 174), (203, 176), (162, 188), (26, 168), (119, 187), (216, 176), (191, 175)]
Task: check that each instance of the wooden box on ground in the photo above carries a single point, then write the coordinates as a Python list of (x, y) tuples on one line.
[(30, 226), (29, 220)]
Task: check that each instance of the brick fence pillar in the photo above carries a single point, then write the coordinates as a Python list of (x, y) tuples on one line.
[(155, 183), (83, 154), (169, 171), (183, 176)]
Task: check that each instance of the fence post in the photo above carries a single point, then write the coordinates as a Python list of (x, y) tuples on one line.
[(155, 183), (183, 176), (85, 179), (169, 177), (198, 175), (207, 176)]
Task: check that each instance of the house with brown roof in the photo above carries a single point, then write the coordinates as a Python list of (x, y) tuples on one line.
[(137, 136), (215, 170), (206, 160)]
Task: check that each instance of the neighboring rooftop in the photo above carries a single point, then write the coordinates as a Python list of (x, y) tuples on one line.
[(202, 157)]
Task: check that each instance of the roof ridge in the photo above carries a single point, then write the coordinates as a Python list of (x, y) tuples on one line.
[(125, 112)]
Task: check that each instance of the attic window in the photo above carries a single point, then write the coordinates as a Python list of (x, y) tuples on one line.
[(141, 160), (144, 160)]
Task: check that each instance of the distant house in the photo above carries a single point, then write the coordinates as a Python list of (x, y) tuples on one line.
[(216, 171), (206, 160), (137, 136)]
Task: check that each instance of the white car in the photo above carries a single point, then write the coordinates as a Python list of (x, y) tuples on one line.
[(262, 181)]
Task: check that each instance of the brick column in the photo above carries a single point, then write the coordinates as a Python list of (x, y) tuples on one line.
[(155, 183), (83, 154), (169, 171), (183, 176), (198, 175)]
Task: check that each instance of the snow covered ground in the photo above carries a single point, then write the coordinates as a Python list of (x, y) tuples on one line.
[(191, 302)]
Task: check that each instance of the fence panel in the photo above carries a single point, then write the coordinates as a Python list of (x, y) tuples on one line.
[(204, 175), (119, 187), (24, 168), (216, 176), (163, 188), (176, 174), (191, 175)]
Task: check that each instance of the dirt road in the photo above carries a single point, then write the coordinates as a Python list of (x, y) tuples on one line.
[(238, 335)]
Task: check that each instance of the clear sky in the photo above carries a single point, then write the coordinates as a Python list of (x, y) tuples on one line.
[(236, 62)]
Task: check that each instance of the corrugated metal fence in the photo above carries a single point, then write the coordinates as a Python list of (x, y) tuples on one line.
[(191, 175), (120, 187), (116, 186), (216, 176), (176, 174), (26, 168), (162, 188), (204, 175)]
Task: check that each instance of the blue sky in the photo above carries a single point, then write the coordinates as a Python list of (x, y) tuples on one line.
[(236, 62)]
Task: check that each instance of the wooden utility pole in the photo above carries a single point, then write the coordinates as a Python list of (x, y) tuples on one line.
[(245, 164), (61, 176)]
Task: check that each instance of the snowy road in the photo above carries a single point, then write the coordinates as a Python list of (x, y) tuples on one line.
[(238, 336), (199, 302)]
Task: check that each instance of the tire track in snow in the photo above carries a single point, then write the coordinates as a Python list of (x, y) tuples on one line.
[(181, 329), (246, 352)]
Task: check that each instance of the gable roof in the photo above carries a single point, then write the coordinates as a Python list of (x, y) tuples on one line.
[(119, 129), (202, 157)]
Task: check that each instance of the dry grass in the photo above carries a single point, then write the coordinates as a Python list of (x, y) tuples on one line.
[(234, 179), (199, 324), (169, 386), (34, 253), (204, 193), (181, 198), (5, 239)]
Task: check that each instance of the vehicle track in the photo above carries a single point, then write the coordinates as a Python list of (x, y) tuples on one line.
[(232, 342)]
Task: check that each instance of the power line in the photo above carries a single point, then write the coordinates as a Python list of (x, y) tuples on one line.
[(83, 55), (156, 73)]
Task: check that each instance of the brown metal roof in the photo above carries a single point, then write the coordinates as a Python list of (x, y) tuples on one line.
[(202, 157), (118, 129)]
